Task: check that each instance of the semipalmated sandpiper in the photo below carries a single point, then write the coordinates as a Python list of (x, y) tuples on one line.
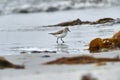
[(61, 34)]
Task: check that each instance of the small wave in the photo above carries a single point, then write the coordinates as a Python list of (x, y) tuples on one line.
[(32, 6), (32, 50)]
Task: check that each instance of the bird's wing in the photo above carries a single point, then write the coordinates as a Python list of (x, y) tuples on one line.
[(58, 32)]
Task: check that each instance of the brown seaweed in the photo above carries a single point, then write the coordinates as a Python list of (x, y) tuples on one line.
[(80, 22), (7, 64), (84, 59)]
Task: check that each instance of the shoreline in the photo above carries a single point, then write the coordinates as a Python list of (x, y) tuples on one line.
[(34, 68)]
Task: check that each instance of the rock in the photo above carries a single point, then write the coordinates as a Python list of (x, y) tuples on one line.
[(23, 52), (43, 51), (45, 56)]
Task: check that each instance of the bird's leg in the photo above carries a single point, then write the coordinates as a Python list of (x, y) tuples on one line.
[(62, 40), (57, 40)]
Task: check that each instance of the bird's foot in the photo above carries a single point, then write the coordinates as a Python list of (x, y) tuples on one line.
[(63, 42)]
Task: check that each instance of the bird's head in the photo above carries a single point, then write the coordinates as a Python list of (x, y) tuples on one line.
[(67, 29)]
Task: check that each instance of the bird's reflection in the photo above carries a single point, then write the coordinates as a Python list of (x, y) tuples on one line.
[(62, 48)]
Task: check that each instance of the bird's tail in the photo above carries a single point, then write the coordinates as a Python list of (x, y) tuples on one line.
[(51, 33)]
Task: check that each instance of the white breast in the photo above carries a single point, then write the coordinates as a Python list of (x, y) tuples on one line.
[(61, 35)]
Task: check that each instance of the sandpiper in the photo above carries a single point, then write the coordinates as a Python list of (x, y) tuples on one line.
[(61, 34)]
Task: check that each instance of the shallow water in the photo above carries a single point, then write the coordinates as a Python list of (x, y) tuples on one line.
[(24, 32)]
